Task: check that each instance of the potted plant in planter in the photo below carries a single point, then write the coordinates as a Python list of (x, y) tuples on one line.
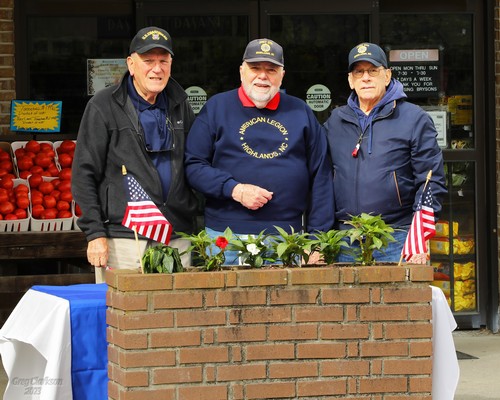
[(161, 259), (290, 248), (371, 233), (329, 243)]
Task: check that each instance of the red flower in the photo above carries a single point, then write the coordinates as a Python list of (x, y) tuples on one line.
[(221, 242)]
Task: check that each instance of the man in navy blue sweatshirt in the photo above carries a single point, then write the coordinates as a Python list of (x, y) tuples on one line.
[(259, 156)]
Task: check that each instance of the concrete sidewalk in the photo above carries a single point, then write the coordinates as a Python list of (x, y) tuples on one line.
[(479, 377), (479, 353)]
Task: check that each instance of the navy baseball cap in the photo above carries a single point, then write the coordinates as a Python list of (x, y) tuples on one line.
[(367, 52), (264, 50), (150, 38)]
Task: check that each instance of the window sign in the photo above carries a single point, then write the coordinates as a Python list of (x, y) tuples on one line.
[(318, 97), (197, 98), (419, 70), (439, 118), (35, 116), (102, 73)]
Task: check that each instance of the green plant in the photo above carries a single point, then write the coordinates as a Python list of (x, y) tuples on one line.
[(329, 243), (371, 233), (252, 249), (209, 250), (290, 248), (161, 259)]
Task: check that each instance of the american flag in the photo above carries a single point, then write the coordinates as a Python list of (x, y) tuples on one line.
[(143, 214), (422, 228)]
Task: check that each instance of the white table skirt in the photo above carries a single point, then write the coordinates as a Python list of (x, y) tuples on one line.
[(445, 369), (35, 344)]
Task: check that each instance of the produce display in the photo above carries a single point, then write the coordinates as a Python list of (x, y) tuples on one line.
[(35, 186)]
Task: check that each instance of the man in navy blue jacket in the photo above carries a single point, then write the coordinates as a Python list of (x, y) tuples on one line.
[(382, 148), (259, 156)]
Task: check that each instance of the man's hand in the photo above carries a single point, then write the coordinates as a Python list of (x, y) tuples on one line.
[(251, 196), (97, 252)]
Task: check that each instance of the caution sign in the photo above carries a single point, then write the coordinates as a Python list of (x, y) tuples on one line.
[(197, 97), (318, 97), (419, 70)]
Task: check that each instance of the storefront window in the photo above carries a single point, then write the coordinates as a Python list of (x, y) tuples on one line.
[(58, 49)]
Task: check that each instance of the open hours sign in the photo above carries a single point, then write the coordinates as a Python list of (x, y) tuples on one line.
[(419, 70)]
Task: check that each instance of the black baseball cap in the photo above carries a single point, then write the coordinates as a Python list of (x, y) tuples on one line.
[(151, 38), (264, 50), (367, 52)]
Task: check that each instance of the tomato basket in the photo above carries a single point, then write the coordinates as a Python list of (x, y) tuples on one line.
[(17, 225)]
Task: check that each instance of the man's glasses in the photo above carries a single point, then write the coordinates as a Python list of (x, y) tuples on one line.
[(359, 73), (164, 144)]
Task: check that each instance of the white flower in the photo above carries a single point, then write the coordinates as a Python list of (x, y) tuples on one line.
[(253, 249)]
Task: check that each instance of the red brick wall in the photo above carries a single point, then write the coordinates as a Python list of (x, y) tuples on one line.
[(7, 72), (312, 333)]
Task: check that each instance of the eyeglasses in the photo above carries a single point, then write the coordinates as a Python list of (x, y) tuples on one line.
[(359, 73), (164, 144)]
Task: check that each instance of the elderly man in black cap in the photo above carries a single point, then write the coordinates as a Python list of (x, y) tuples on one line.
[(140, 123), (259, 155), (382, 149)]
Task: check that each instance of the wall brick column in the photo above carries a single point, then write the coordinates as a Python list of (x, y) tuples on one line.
[(312, 333), (7, 71)]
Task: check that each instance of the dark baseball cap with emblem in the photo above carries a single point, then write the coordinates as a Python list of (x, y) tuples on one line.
[(150, 38), (264, 50), (367, 52)]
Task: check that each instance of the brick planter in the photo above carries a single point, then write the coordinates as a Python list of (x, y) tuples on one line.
[(307, 333)]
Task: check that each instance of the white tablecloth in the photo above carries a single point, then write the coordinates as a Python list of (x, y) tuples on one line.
[(445, 369), (35, 344)]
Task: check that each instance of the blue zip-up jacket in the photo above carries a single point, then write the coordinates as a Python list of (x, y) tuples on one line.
[(398, 148), (283, 150)]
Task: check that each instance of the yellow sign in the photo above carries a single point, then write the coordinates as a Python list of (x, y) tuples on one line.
[(35, 116)]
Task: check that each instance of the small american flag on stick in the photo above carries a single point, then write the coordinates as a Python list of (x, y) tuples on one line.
[(423, 226), (142, 215)]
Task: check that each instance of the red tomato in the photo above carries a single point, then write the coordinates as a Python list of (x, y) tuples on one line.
[(56, 193), (7, 182), (6, 207), (66, 146), (53, 170), (4, 155), (65, 160), (46, 146), (19, 152), (64, 186), (64, 214), (49, 201), (20, 213), (42, 160), (21, 188), (4, 195), (24, 163), (49, 152), (24, 174), (35, 180), (65, 174), (46, 187), (10, 217), (6, 165), (36, 169), (49, 213), (66, 196), (78, 210), (36, 199), (63, 205), (37, 210), (3, 172), (23, 202), (33, 146)]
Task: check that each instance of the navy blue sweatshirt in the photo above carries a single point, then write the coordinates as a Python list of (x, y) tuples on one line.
[(282, 150)]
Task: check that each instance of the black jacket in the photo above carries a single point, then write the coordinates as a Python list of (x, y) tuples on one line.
[(109, 137)]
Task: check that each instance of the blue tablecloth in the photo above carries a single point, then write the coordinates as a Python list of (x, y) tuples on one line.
[(89, 354)]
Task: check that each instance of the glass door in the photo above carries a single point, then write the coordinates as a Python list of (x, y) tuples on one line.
[(433, 54)]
